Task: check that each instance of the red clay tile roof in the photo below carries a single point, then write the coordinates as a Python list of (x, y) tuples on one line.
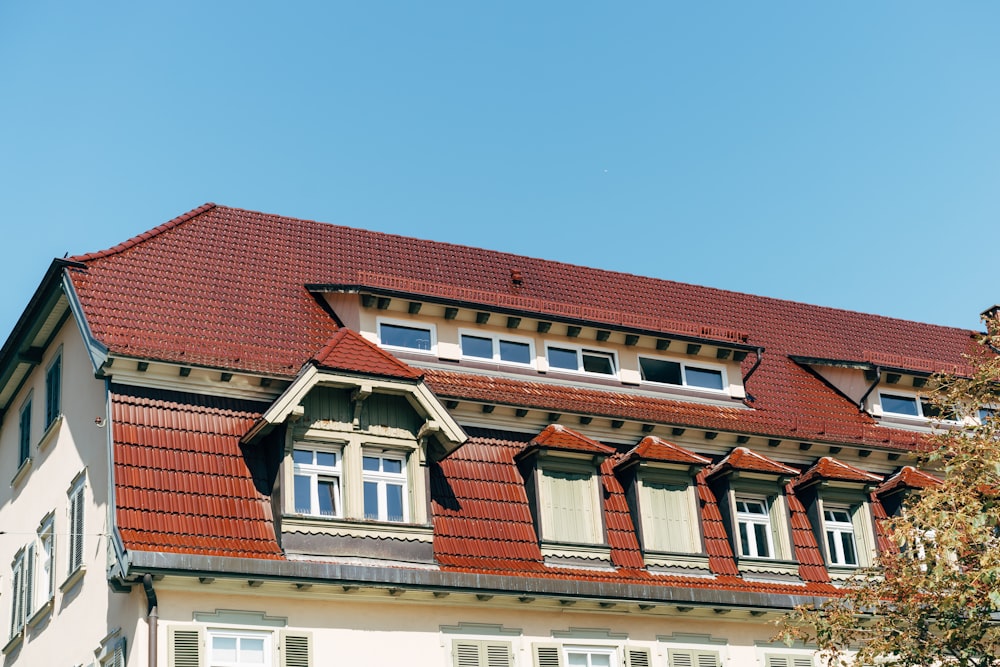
[(652, 448), (832, 469), (225, 287), (181, 484), (349, 351), (557, 436), (908, 477), (742, 458)]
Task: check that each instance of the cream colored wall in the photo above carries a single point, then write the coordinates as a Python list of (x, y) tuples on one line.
[(357, 629), (82, 612), (847, 380)]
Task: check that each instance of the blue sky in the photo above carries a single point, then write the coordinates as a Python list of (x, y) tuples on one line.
[(845, 154)]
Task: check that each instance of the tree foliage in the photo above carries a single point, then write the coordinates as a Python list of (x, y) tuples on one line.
[(935, 599)]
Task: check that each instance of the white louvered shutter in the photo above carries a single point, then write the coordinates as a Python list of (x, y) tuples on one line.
[(637, 657), (802, 662), (466, 653), (76, 526), (29, 581), (296, 649), (185, 646), (498, 654), (707, 659), (547, 655), (481, 653), (681, 658)]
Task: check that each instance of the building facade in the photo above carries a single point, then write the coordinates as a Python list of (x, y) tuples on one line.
[(241, 439)]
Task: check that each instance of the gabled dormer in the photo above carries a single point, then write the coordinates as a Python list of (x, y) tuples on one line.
[(750, 488), (894, 491), (354, 434), (659, 482), (562, 476), (836, 496)]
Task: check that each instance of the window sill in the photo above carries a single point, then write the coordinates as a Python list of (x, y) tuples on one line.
[(358, 528), (41, 612), (50, 433), (21, 473), (14, 643), (73, 578)]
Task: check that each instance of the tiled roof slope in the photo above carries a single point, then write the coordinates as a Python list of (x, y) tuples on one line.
[(483, 524), (181, 484), (349, 351), (557, 436), (225, 287)]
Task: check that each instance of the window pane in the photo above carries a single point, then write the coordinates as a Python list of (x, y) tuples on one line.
[(371, 463), (519, 353), (744, 540), (850, 557), (394, 502), (831, 545), (393, 334), (704, 377), (474, 346), (576, 659), (371, 500), (328, 494), (900, 405), (562, 358), (303, 500), (760, 533), (251, 651), (224, 649), (598, 363), (392, 465), (658, 370), (302, 456), (328, 459), (600, 660)]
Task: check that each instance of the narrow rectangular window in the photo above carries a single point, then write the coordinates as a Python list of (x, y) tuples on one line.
[(900, 405), (76, 527), (590, 657), (45, 588), (586, 361), (385, 493), (24, 433), (754, 524), (669, 520), (17, 595), (840, 542), (239, 649), (317, 481), (568, 513), (663, 371), (53, 382)]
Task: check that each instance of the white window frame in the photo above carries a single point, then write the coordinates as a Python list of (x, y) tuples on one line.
[(613, 657), (684, 364), (496, 340), (266, 636), (918, 399), (580, 351), (408, 324), (315, 473), (751, 519), (382, 479), (837, 529), (45, 567)]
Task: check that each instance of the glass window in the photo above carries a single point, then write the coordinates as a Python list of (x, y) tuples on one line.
[(239, 649), (840, 543), (384, 478), (317, 481), (395, 335), (590, 657), (900, 405), (24, 433), (681, 374), (560, 357), (985, 413), (515, 352), (588, 361), (45, 585), (598, 362), (475, 346), (754, 524), (53, 380)]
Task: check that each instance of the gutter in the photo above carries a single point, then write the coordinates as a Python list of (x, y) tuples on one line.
[(753, 369), (152, 617), (145, 563)]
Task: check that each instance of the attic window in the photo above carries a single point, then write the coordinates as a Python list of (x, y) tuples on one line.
[(406, 336), (581, 360), (664, 371), (909, 405), (497, 348)]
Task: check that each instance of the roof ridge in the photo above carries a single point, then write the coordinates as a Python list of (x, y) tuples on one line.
[(145, 236)]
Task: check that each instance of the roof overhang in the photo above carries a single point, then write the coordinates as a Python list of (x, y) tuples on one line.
[(439, 423)]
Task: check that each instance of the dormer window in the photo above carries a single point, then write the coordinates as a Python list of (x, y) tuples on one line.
[(497, 348), (581, 360), (317, 481), (840, 543), (911, 405), (408, 336), (754, 522), (682, 374)]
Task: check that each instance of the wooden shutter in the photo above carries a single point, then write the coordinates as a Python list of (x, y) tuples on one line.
[(296, 649), (789, 661), (637, 657), (707, 659), (17, 598), (567, 502), (547, 655), (119, 653), (669, 516), (481, 653), (185, 646), (76, 526), (692, 658), (29, 580)]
